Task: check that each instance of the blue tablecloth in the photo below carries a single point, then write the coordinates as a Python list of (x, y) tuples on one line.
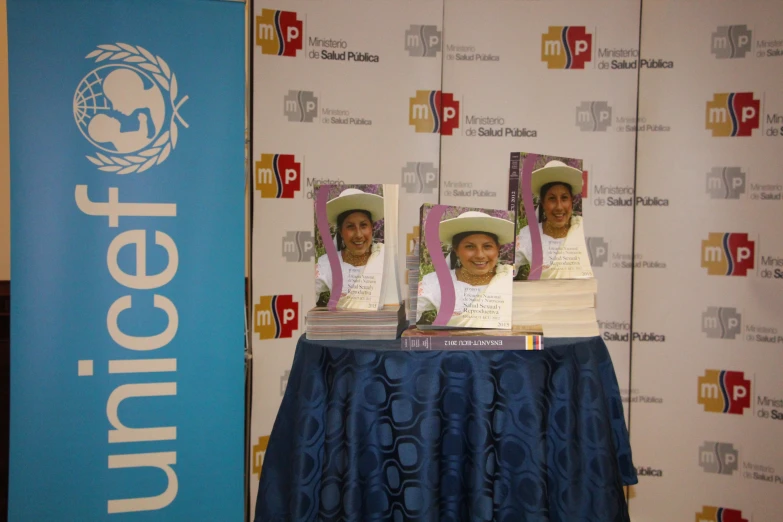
[(366, 432)]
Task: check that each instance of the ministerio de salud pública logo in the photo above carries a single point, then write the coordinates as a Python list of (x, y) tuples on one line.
[(725, 183), (278, 176), (719, 322), (419, 177), (719, 514), (434, 112), (728, 254), (724, 391), (731, 41), (597, 251), (300, 106), (423, 40), (298, 246), (128, 108), (275, 317), (566, 47), (718, 457), (733, 114), (279, 33), (259, 451), (594, 116)]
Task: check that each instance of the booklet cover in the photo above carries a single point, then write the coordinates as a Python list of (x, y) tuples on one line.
[(349, 246), (466, 267), (545, 192)]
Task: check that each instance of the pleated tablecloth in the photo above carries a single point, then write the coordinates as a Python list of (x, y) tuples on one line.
[(367, 432)]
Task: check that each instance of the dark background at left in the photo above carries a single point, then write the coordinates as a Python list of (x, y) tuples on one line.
[(5, 391)]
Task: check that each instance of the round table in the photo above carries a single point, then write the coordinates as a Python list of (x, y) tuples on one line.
[(369, 432)]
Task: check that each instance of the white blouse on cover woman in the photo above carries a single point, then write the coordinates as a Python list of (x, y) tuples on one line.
[(563, 258), (465, 295), (323, 274)]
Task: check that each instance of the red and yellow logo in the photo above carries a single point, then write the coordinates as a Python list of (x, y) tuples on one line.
[(279, 32), (730, 254), (275, 317), (278, 176), (733, 114), (434, 112), (566, 47), (722, 391), (259, 450), (719, 514)]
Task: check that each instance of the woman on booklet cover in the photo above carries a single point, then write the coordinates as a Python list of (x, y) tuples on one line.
[(352, 214), (475, 239), (561, 232)]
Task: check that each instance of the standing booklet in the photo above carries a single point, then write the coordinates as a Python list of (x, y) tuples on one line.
[(545, 192), (466, 267), (356, 245)]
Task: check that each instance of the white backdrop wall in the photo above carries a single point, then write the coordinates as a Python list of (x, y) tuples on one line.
[(713, 307), (344, 100), (505, 63), (336, 102)]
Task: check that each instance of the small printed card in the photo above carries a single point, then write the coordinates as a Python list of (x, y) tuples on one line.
[(466, 268)]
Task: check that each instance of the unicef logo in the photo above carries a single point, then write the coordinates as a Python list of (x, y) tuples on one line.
[(127, 108)]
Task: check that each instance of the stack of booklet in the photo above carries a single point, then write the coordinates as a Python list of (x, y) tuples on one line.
[(357, 287), (554, 285), (327, 325), (517, 272), (474, 273), (561, 308)]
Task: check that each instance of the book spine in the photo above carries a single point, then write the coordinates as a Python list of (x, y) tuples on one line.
[(513, 200), (513, 184), (515, 342)]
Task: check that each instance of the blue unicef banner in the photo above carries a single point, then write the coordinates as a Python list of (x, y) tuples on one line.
[(127, 190)]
